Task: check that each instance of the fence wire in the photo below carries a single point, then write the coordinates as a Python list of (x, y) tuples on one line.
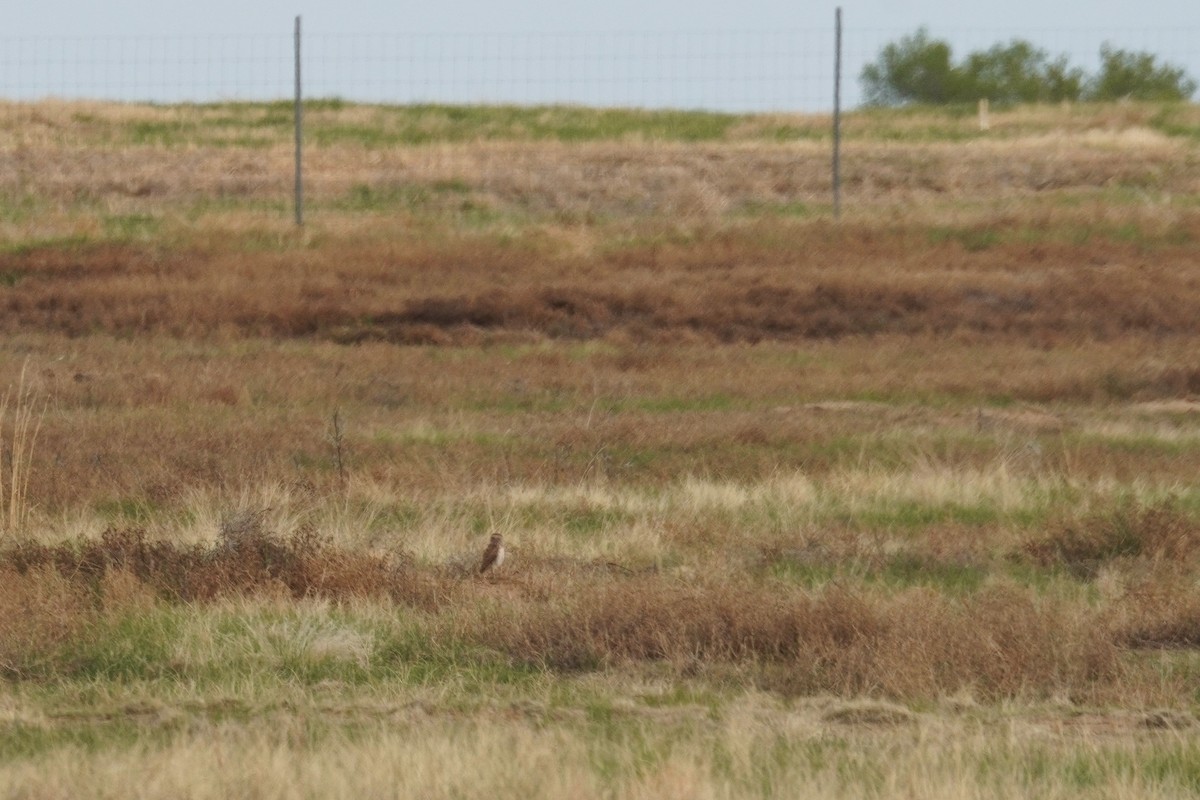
[(53, 149)]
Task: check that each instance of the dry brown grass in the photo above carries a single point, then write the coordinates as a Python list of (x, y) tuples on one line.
[(133, 426), (755, 752), (247, 560), (20, 422), (763, 476), (1159, 534), (57, 157), (39, 609), (1159, 610), (784, 282), (917, 644)]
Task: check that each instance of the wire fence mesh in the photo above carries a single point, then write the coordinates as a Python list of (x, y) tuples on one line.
[(212, 115)]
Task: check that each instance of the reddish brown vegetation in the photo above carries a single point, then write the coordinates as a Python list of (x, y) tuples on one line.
[(39, 610), (1000, 642), (1160, 611), (300, 564), (793, 282), (1155, 549), (1082, 546)]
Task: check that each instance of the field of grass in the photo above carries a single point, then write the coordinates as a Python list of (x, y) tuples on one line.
[(899, 505)]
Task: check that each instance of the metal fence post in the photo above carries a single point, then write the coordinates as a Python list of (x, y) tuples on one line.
[(837, 114), (299, 139)]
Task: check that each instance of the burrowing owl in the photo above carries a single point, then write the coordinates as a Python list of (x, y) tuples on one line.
[(493, 556)]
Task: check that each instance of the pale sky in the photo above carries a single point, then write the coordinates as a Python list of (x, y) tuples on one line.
[(750, 54)]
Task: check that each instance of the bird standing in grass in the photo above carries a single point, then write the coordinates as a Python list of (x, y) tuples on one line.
[(493, 556)]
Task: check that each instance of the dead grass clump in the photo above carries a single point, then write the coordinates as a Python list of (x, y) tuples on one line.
[(248, 560), (1175, 382), (644, 618), (122, 591), (164, 566), (1021, 642), (874, 714), (307, 565), (39, 610), (998, 643), (1127, 531), (1160, 611), (1001, 642)]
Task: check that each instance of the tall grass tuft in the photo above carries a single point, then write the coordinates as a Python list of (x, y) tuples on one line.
[(17, 441)]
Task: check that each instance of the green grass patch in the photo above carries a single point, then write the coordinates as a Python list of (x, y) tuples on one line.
[(132, 227), (585, 521), (792, 208), (161, 133), (19, 207), (363, 197), (973, 240), (256, 125), (1173, 766), (135, 510), (803, 572), (424, 658), (87, 733), (133, 647), (909, 569), (914, 515), (1177, 120), (914, 124), (11, 277), (271, 648), (669, 404), (420, 124), (26, 246)]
